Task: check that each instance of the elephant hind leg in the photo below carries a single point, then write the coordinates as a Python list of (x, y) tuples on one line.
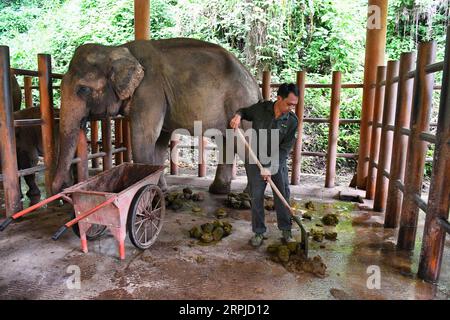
[(161, 149)]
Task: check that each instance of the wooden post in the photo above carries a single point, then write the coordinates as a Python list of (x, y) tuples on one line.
[(266, 85), (27, 83), (400, 144), (375, 48), (8, 146), (333, 131), (438, 201), (46, 104), (107, 143), (82, 153), (94, 142), (417, 149), (376, 132), (174, 154), (126, 134), (118, 141), (202, 142), (299, 111), (384, 158), (142, 19)]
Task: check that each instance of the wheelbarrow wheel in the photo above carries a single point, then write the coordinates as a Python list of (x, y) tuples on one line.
[(145, 216), (94, 232)]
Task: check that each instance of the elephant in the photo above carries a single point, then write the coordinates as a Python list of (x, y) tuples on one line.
[(161, 85), (16, 92)]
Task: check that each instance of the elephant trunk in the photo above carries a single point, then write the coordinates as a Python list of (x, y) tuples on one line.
[(73, 111)]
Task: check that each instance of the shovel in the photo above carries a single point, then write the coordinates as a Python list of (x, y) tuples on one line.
[(304, 234)]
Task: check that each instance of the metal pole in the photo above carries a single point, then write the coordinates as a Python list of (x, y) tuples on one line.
[(266, 85), (46, 105), (375, 48), (384, 158), (27, 83), (299, 111), (107, 144), (94, 142), (400, 144), (333, 132), (7, 134), (376, 132), (417, 149), (438, 201)]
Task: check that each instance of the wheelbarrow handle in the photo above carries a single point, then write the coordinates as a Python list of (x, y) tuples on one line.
[(59, 232), (81, 217), (6, 223), (29, 210)]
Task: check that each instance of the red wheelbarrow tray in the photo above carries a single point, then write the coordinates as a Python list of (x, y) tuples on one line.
[(122, 183)]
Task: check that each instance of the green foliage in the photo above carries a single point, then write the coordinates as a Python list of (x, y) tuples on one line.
[(284, 36)]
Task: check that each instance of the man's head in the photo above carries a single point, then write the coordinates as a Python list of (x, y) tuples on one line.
[(287, 97)]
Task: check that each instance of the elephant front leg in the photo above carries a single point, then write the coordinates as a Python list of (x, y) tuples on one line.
[(161, 147), (224, 174)]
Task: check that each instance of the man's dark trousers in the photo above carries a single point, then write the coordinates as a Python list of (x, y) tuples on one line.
[(257, 186)]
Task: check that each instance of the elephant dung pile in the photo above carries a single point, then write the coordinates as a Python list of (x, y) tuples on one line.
[(176, 200), (238, 200), (211, 232), (295, 261)]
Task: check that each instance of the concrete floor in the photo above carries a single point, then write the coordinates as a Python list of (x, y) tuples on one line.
[(176, 267)]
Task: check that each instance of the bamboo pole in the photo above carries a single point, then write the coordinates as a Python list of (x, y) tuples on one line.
[(417, 149), (8, 146), (376, 132), (299, 111), (333, 132), (46, 105), (107, 143), (82, 153), (266, 85), (27, 83), (385, 156), (375, 51), (438, 202), (94, 143), (400, 144)]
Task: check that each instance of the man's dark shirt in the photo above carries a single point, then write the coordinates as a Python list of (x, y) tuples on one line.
[(262, 116)]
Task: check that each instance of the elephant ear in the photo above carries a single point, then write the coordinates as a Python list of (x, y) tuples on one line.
[(126, 72)]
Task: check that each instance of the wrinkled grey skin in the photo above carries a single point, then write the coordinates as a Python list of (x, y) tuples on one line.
[(162, 85), (16, 93)]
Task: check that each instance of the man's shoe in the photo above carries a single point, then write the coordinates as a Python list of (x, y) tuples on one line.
[(287, 236), (257, 240)]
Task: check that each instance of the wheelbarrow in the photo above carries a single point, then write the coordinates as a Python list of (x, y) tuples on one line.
[(304, 234), (124, 198)]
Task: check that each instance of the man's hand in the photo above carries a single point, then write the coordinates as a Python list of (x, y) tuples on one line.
[(265, 174), (235, 121)]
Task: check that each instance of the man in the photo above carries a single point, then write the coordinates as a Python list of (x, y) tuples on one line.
[(268, 115)]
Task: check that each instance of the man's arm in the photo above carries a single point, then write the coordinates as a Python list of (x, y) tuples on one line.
[(249, 113)]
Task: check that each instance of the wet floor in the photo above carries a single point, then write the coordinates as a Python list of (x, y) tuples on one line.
[(362, 264)]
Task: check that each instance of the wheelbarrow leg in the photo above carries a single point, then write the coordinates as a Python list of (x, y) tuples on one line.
[(120, 235), (83, 227)]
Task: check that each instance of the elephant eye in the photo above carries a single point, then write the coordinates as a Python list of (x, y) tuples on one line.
[(83, 91)]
